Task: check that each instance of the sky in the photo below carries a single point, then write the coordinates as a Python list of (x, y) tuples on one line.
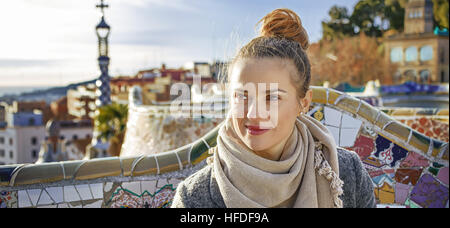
[(53, 42)]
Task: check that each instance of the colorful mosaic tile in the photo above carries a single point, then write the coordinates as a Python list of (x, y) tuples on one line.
[(429, 193), (8, 199), (408, 176), (443, 175), (388, 152), (318, 115), (401, 193), (126, 198), (414, 160), (434, 168), (411, 204), (385, 194), (429, 127), (364, 146)]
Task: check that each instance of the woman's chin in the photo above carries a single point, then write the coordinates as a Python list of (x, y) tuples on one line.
[(256, 144)]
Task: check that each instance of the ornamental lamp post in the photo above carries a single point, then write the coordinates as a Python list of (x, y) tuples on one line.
[(103, 93), (103, 87)]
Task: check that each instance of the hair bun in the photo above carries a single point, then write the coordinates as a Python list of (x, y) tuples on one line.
[(284, 23)]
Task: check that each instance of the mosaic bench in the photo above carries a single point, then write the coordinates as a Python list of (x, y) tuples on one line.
[(408, 168)]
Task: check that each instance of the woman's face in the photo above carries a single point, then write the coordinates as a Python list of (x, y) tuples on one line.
[(264, 103)]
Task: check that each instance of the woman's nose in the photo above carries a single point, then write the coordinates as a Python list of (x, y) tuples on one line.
[(257, 110)]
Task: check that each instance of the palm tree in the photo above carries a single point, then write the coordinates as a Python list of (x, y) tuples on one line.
[(111, 122)]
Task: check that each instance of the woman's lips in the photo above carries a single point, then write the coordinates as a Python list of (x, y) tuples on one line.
[(256, 130)]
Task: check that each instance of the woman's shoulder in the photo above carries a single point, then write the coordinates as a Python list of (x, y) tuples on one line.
[(350, 166), (358, 187), (194, 191), (347, 157)]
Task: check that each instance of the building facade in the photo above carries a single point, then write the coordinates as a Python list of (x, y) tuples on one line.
[(421, 54), (65, 140), (60, 110), (20, 144), (81, 101), (76, 129), (31, 106), (2, 116), (24, 119)]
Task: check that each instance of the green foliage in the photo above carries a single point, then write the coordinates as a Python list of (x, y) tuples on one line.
[(372, 17), (111, 120), (440, 11), (339, 26)]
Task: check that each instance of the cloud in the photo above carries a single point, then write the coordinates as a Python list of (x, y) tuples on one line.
[(180, 5), (14, 63)]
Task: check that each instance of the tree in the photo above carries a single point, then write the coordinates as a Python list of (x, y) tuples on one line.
[(374, 17), (111, 122), (440, 12), (355, 60), (339, 24), (371, 17)]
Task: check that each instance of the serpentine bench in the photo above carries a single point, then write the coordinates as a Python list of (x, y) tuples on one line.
[(408, 169)]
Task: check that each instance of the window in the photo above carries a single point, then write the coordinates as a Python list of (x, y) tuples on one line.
[(426, 53), (2, 153), (397, 77), (33, 141), (2, 140), (75, 137), (424, 76), (410, 75), (396, 54), (411, 54), (442, 56), (34, 153), (10, 141), (11, 154)]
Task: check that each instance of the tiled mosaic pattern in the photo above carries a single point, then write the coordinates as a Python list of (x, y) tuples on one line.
[(140, 194), (408, 169), (401, 176), (8, 199), (429, 127), (143, 194)]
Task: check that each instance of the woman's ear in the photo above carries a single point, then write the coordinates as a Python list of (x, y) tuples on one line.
[(306, 101)]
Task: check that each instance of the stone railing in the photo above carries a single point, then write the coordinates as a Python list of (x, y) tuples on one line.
[(408, 169)]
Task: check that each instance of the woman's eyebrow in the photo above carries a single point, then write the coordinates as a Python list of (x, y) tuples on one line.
[(276, 90)]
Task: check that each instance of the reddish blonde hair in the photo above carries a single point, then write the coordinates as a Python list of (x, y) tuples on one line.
[(281, 36), (284, 23)]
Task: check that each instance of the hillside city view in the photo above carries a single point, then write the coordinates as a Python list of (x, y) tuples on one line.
[(94, 81)]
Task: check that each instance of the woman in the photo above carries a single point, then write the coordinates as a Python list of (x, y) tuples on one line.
[(281, 157)]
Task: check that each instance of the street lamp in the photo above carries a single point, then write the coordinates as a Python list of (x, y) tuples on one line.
[(103, 92), (102, 31)]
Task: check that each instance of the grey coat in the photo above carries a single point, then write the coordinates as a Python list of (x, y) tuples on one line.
[(200, 190)]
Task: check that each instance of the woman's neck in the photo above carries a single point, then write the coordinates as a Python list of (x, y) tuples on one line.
[(273, 153)]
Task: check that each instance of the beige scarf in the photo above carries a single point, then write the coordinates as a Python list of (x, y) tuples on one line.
[(306, 175)]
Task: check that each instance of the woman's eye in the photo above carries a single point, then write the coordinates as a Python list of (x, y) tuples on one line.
[(273, 98), (240, 96)]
